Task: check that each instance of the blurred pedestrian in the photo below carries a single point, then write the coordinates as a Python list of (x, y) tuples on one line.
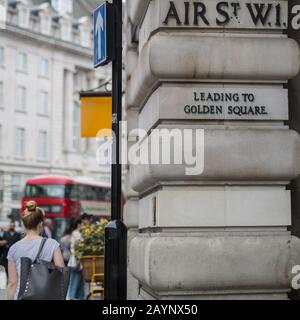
[(2, 245), (10, 237), (48, 227), (87, 219), (76, 289), (65, 244), (33, 219)]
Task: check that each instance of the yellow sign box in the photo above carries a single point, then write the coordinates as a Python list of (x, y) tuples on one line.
[(96, 115)]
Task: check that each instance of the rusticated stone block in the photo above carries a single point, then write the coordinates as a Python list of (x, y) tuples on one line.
[(215, 207), (214, 263), (230, 154), (131, 213), (189, 58)]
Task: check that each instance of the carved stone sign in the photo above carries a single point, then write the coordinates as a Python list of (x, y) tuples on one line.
[(216, 14), (207, 103)]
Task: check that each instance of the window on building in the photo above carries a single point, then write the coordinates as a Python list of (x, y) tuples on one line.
[(1, 94), (42, 145), (85, 37), (76, 126), (44, 67), (68, 5), (76, 80), (21, 99), (63, 6), (3, 12), (18, 182), (1, 56), (80, 81), (1, 187), (43, 103), (23, 17), (88, 83), (1, 138), (22, 62), (15, 187), (20, 143), (55, 4), (66, 31), (45, 25)]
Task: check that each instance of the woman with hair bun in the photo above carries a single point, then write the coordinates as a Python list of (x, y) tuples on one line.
[(33, 220)]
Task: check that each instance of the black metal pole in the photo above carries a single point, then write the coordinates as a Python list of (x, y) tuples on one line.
[(115, 232)]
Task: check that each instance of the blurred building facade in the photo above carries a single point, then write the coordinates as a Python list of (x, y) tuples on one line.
[(45, 61)]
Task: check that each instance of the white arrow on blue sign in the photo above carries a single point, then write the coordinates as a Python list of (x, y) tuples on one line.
[(100, 35)]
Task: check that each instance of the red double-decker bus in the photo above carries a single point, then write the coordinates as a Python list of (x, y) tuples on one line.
[(64, 198)]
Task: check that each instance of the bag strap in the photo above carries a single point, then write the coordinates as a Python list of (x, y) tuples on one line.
[(40, 249)]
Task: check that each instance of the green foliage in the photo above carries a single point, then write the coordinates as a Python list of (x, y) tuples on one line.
[(93, 240)]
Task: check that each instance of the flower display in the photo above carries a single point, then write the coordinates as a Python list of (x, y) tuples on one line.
[(93, 240)]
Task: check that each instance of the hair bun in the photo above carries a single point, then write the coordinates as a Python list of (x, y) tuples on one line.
[(31, 206)]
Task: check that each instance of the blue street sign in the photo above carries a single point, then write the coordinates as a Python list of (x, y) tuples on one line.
[(100, 35)]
